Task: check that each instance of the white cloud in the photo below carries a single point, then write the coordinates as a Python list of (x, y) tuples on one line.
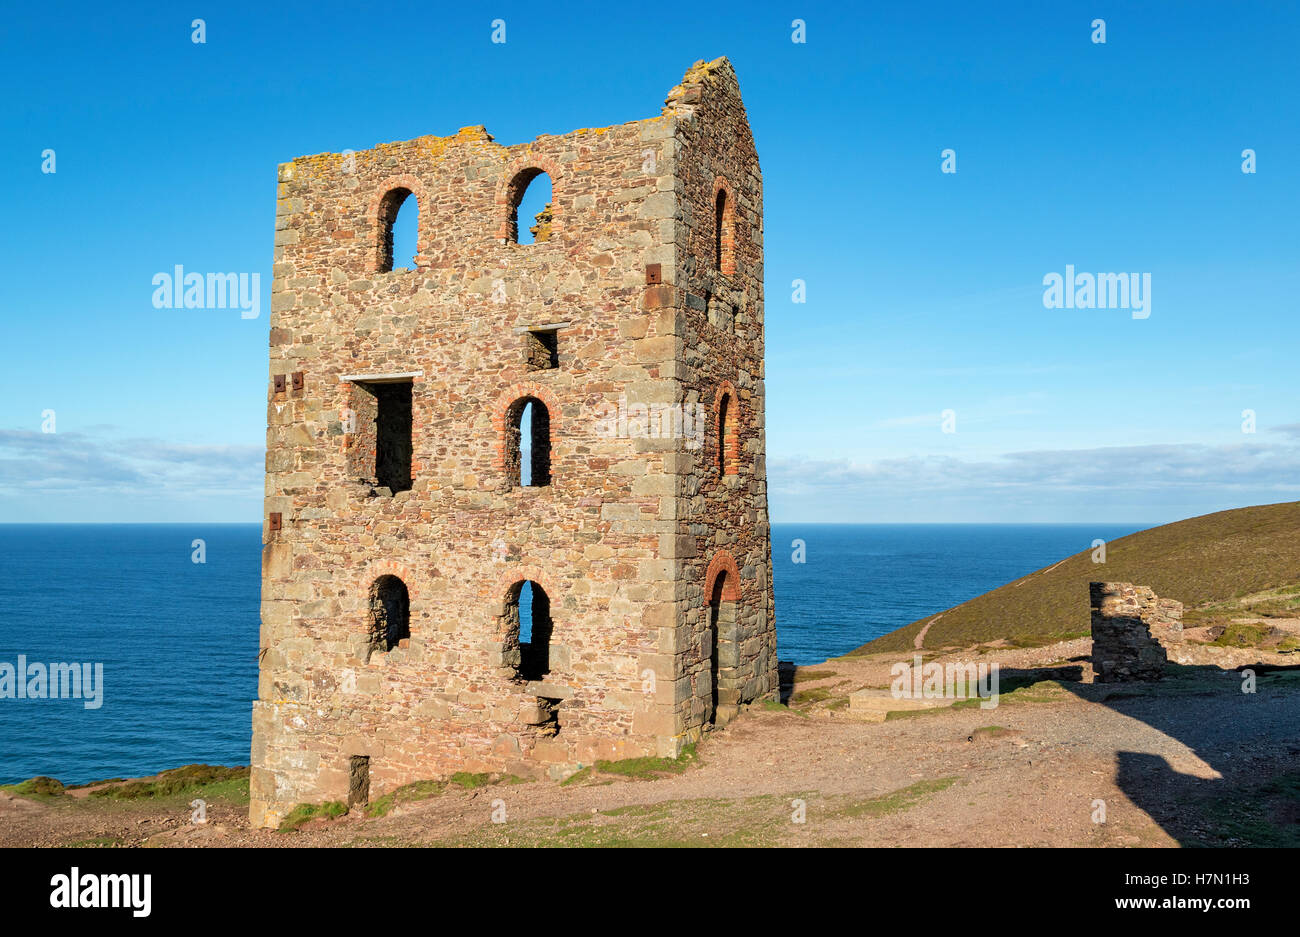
[(33, 463), (1056, 484)]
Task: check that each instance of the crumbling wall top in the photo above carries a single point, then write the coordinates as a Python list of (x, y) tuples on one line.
[(700, 76), (1131, 628)]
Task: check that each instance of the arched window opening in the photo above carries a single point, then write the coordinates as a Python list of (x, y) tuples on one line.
[(399, 230), (390, 613), (723, 652), (532, 614), (528, 443), (727, 440), (526, 650), (530, 207)]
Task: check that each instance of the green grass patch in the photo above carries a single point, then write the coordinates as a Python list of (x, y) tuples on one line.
[(805, 676), (95, 842), (897, 801), (212, 780), (648, 768), (304, 813), (760, 821), (1268, 815), (578, 777), (1010, 692), (407, 793), (423, 790), (470, 781), (1028, 690), (772, 706), (816, 694), (636, 810), (641, 769), (895, 714), (37, 788), (1243, 634)]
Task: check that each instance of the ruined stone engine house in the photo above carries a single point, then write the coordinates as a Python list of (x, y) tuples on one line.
[(516, 498)]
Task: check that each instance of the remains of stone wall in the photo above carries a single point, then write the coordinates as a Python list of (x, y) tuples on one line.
[(1131, 628)]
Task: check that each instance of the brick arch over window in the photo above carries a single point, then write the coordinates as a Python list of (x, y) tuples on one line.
[(723, 227), (498, 589), (373, 570), (722, 562), (369, 584), (519, 172), (501, 414), (726, 430), (381, 212)]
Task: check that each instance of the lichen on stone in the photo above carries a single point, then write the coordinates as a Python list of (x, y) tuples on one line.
[(542, 230)]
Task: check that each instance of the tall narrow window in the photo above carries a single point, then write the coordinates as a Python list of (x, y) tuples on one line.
[(399, 227), (530, 199), (719, 224), (534, 612), (526, 651), (528, 443), (724, 430), (381, 451), (723, 649), (390, 613)]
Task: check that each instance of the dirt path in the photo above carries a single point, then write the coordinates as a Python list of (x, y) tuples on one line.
[(1194, 761)]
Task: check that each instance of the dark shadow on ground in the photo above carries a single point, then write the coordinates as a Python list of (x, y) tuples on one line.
[(1251, 739)]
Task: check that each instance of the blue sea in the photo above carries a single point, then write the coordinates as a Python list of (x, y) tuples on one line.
[(178, 639)]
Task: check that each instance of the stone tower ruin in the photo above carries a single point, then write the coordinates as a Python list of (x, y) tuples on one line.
[(574, 424)]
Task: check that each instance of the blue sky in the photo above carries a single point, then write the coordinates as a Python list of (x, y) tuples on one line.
[(924, 289)]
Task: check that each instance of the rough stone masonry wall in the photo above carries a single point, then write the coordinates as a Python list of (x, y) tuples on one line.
[(605, 539), (723, 524), (1132, 629)]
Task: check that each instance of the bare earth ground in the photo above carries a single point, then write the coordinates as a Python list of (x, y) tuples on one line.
[(1191, 761)]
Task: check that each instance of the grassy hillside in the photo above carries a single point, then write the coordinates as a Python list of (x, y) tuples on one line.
[(1206, 559)]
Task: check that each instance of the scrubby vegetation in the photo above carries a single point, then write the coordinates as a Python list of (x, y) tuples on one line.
[(1214, 558), (211, 780), (1249, 621), (175, 781), (39, 786)]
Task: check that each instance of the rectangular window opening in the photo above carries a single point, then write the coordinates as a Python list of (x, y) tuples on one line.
[(381, 453), (358, 781), (541, 349)]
